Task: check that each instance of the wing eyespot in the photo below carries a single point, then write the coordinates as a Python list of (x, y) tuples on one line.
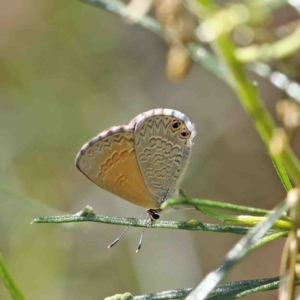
[(184, 133), (176, 124)]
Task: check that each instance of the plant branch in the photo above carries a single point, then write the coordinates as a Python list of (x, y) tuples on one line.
[(230, 290), (119, 8), (268, 238), (245, 220), (279, 49), (214, 204), (87, 215)]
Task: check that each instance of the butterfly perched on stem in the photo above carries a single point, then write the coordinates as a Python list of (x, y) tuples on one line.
[(142, 162)]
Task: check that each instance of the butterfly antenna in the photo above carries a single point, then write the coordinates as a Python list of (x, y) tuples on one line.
[(119, 237), (140, 242), (152, 215)]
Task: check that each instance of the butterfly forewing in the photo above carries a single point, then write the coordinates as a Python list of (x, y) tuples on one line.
[(109, 160)]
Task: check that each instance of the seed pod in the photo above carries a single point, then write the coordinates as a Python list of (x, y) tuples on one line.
[(178, 62), (166, 11), (180, 26), (289, 113), (279, 141)]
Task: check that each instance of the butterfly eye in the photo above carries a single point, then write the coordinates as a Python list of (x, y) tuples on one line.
[(176, 124), (184, 133)]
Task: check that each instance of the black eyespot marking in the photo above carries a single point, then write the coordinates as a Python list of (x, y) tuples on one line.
[(176, 124), (184, 133)]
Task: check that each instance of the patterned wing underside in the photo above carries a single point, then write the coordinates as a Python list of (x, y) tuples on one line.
[(162, 155), (111, 163)]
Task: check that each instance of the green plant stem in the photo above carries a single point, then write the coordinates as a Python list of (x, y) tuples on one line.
[(268, 238), (216, 204), (262, 288), (230, 290), (248, 95), (119, 8), (9, 283), (191, 225), (246, 220), (277, 50)]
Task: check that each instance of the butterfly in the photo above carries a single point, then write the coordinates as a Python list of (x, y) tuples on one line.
[(142, 162)]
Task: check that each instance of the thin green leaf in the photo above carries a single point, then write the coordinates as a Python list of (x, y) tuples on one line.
[(9, 283)]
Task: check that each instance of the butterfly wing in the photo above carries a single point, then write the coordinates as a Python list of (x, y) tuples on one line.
[(109, 160), (161, 150)]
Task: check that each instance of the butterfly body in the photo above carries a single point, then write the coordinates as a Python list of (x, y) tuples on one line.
[(142, 162)]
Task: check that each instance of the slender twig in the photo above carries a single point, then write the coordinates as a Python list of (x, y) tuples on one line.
[(214, 204), (268, 238), (204, 206), (87, 215), (119, 8), (231, 290), (279, 49)]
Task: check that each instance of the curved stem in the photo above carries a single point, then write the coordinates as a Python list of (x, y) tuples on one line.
[(214, 204), (279, 49)]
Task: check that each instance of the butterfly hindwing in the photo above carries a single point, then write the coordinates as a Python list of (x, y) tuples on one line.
[(162, 154)]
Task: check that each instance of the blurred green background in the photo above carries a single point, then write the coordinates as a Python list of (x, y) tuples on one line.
[(69, 71)]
